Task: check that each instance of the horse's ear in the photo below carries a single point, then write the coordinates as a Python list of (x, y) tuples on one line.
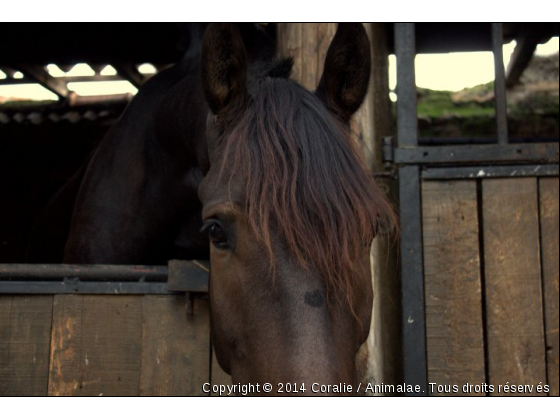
[(224, 66), (344, 82)]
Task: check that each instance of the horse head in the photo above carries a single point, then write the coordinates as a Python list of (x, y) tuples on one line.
[(290, 210)]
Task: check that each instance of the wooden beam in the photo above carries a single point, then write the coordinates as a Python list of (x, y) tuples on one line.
[(521, 58), (513, 286), (9, 72), (41, 76), (96, 78), (548, 209), (454, 321), (97, 68), (130, 73), (66, 67)]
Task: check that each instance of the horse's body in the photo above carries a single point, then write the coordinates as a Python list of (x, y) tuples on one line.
[(135, 199), (269, 170)]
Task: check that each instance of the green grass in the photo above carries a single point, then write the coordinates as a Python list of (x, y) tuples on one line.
[(438, 103)]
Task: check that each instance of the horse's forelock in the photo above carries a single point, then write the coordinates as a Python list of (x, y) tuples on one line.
[(305, 180)]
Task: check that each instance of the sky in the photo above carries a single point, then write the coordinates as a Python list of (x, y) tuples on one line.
[(457, 71), (451, 71)]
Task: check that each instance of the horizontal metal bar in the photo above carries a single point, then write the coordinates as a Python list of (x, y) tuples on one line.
[(90, 272), (188, 276), (458, 141), (183, 276), (34, 287), (468, 154), (476, 172)]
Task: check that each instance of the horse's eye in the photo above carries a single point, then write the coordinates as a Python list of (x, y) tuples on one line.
[(216, 234)]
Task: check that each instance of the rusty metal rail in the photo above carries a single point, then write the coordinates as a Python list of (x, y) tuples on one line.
[(177, 277)]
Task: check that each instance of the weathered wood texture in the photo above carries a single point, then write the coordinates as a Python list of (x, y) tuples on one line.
[(76, 345), (307, 43), (25, 327), (96, 345), (548, 192), (515, 333), (176, 347), (290, 44), (453, 298)]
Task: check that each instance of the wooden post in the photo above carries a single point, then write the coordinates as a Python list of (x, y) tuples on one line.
[(308, 43)]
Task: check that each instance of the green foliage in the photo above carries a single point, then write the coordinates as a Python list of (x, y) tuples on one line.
[(440, 103)]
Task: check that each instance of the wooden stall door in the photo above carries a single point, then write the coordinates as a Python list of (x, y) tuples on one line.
[(453, 296), (491, 282), (103, 345)]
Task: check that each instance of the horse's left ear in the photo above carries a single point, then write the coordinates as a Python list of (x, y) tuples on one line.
[(224, 67), (344, 82)]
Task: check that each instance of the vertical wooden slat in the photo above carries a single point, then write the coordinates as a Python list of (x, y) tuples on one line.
[(548, 192), (102, 335), (5, 333), (513, 282), (454, 329), (176, 347), (66, 346), (325, 35), (25, 327)]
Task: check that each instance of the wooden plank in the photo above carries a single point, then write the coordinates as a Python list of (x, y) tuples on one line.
[(25, 326), (66, 346), (515, 333), (130, 72), (176, 347), (309, 48), (290, 45), (454, 327), (325, 35), (548, 192), (97, 342), (219, 377), (42, 76)]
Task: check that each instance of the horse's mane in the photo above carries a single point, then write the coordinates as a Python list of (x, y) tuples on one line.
[(305, 179)]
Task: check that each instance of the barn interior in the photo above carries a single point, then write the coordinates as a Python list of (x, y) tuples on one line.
[(42, 143)]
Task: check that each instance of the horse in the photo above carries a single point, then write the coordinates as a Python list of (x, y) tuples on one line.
[(262, 175), (134, 200)]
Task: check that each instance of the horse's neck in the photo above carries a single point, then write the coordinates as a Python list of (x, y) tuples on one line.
[(165, 123)]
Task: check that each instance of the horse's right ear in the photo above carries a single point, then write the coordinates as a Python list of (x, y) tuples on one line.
[(224, 67)]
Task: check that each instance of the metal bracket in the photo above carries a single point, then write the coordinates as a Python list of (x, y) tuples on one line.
[(190, 277), (388, 151)]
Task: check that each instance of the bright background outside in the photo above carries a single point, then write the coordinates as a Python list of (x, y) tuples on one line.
[(450, 72)]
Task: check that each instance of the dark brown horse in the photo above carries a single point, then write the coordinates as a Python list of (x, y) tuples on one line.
[(289, 208)]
